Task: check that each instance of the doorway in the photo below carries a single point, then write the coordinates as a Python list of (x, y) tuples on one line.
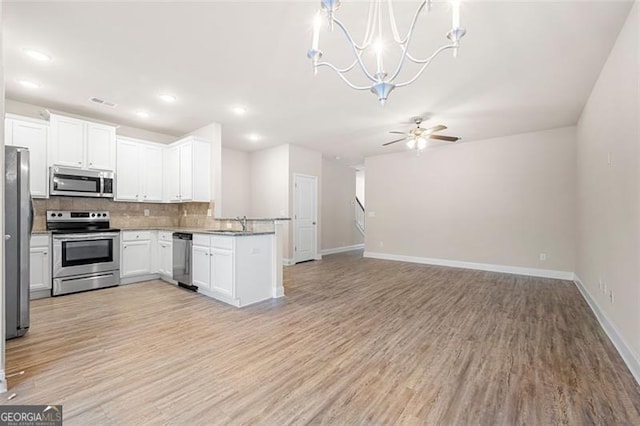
[(305, 217)]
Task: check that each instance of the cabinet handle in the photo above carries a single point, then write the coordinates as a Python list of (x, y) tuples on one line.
[(44, 253), (124, 247), (79, 162), (91, 164), (145, 196)]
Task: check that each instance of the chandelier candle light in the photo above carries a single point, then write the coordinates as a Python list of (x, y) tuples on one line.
[(382, 83)]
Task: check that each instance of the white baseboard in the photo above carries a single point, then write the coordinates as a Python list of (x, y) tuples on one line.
[(278, 292), (628, 355), (342, 249), (288, 262), (3, 382), (519, 270), (138, 279)]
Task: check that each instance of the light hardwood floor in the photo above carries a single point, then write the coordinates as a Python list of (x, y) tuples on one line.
[(355, 341)]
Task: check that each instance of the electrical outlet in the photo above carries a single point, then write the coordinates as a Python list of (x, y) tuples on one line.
[(605, 289), (609, 161), (229, 225), (371, 214), (611, 296), (543, 256), (146, 212), (600, 284), (209, 212)]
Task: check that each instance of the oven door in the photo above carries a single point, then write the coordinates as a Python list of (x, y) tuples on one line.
[(77, 254)]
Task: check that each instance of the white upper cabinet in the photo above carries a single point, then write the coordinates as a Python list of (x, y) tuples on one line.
[(172, 174), (139, 171), (82, 144), (127, 171), (101, 141), (152, 173), (188, 171), (34, 135)]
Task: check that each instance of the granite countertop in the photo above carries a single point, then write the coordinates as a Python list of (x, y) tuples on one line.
[(198, 230), (255, 219), (179, 229)]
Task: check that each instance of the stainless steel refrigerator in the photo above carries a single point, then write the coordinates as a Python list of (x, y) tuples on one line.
[(18, 223)]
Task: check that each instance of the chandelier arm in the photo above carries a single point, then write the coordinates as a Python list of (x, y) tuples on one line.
[(430, 58), (405, 47), (368, 32), (355, 49), (347, 69), (426, 64), (353, 86), (394, 25)]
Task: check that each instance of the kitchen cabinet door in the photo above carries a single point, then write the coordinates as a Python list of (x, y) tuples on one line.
[(186, 172), (128, 172), (39, 268), (172, 174), (165, 258), (151, 157), (136, 258), (101, 146), (67, 142), (33, 136), (201, 273), (222, 271)]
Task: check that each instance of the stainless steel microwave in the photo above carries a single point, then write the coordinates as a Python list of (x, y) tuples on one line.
[(80, 183)]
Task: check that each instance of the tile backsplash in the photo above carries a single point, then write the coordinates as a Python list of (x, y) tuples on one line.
[(130, 215)]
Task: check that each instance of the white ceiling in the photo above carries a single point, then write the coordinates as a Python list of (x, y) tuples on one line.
[(523, 66)]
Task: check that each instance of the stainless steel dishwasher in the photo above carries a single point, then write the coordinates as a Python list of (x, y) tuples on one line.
[(182, 243)]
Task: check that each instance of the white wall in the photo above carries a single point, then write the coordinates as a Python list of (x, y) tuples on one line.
[(338, 209), (3, 383), (360, 179), (499, 201), (306, 162), (608, 225), (269, 188), (236, 183)]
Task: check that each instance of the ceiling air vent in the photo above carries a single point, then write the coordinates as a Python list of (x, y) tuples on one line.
[(103, 102)]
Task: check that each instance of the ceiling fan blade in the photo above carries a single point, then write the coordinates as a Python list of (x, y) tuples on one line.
[(396, 141), (395, 132), (444, 138), (434, 129)]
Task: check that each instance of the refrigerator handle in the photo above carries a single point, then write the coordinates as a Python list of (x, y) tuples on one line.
[(31, 214)]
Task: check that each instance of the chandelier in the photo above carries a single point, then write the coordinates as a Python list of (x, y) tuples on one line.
[(381, 81)]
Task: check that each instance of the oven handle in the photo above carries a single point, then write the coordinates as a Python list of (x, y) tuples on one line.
[(92, 236)]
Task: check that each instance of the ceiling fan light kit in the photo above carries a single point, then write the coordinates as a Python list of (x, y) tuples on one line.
[(416, 138), (381, 82)]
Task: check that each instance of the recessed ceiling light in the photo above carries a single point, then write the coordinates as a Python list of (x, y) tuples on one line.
[(239, 110), (254, 137), (30, 84), (167, 98), (38, 56), (142, 114)]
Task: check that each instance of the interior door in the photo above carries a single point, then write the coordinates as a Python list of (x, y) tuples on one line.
[(305, 202)]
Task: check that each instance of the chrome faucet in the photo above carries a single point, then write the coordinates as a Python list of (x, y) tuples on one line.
[(243, 222)]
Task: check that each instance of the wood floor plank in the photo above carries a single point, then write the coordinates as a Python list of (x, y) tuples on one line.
[(355, 341)]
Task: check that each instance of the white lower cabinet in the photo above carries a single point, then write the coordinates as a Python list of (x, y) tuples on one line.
[(201, 267), (234, 269), (40, 266), (165, 255), (136, 256)]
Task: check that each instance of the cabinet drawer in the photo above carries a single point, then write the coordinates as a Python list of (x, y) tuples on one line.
[(39, 241), (165, 236), (222, 242), (201, 240), (136, 235)]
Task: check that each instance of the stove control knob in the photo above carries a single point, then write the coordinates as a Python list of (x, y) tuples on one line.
[(53, 215), (93, 215), (59, 214)]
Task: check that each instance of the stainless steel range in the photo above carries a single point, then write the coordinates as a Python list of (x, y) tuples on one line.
[(86, 251)]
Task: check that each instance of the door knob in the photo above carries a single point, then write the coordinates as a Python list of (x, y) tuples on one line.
[(313, 223), (7, 237)]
